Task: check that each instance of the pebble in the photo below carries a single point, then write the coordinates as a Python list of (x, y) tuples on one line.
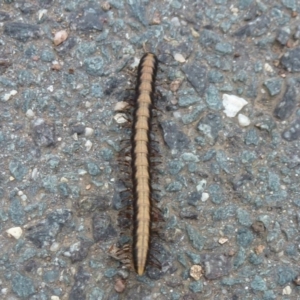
[(30, 114), (7, 96), (196, 272), (121, 106), (179, 57), (59, 37), (223, 240), (88, 131), (233, 104), (287, 290), (120, 118), (54, 247), (88, 145), (244, 121), (15, 232), (268, 68), (204, 197)]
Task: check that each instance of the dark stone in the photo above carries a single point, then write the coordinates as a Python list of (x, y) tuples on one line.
[(282, 36), (215, 265), (22, 286), (293, 132), (241, 180), (139, 11), (285, 274), (28, 8), (194, 198), (287, 105), (188, 214), (255, 28), (43, 134), (244, 237), (88, 19), (4, 64), (209, 38), (196, 75), (92, 203), (291, 60), (4, 16), (16, 211), (21, 31), (173, 137), (210, 125), (102, 227), (44, 232), (77, 291), (17, 169), (30, 266), (80, 250), (66, 46)]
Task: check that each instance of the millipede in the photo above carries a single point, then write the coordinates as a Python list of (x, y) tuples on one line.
[(140, 161), (143, 208)]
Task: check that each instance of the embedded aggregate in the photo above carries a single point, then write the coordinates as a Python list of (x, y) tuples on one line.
[(229, 193)]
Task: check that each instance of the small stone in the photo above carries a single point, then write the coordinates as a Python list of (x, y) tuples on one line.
[(54, 247), (233, 104), (55, 298), (268, 68), (121, 106), (15, 232), (60, 37), (204, 197), (120, 118), (106, 6), (88, 131), (156, 19), (179, 57), (297, 280), (88, 187), (223, 240), (196, 272), (7, 96), (30, 114), (244, 121), (88, 145), (259, 249), (287, 290), (120, 285)]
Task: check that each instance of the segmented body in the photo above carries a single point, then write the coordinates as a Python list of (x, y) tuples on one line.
[(140, 163)]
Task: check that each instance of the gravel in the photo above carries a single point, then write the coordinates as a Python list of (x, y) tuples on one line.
[(228, 187)]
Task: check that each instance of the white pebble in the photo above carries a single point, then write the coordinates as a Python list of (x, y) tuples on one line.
[(268, 68), (120, 118), (82, 172), (135, 63), (55, 298), (287, 290), (30, 114), (88, 145), (75, 136), (34, 174), (7, 96), (88, 104), (179, 57), (243, 120), (233, 104), (50, 88), (121, 105), (20, 193), (88, 131), (54, 247), (204, 197), (4, 291), (16, 232)]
